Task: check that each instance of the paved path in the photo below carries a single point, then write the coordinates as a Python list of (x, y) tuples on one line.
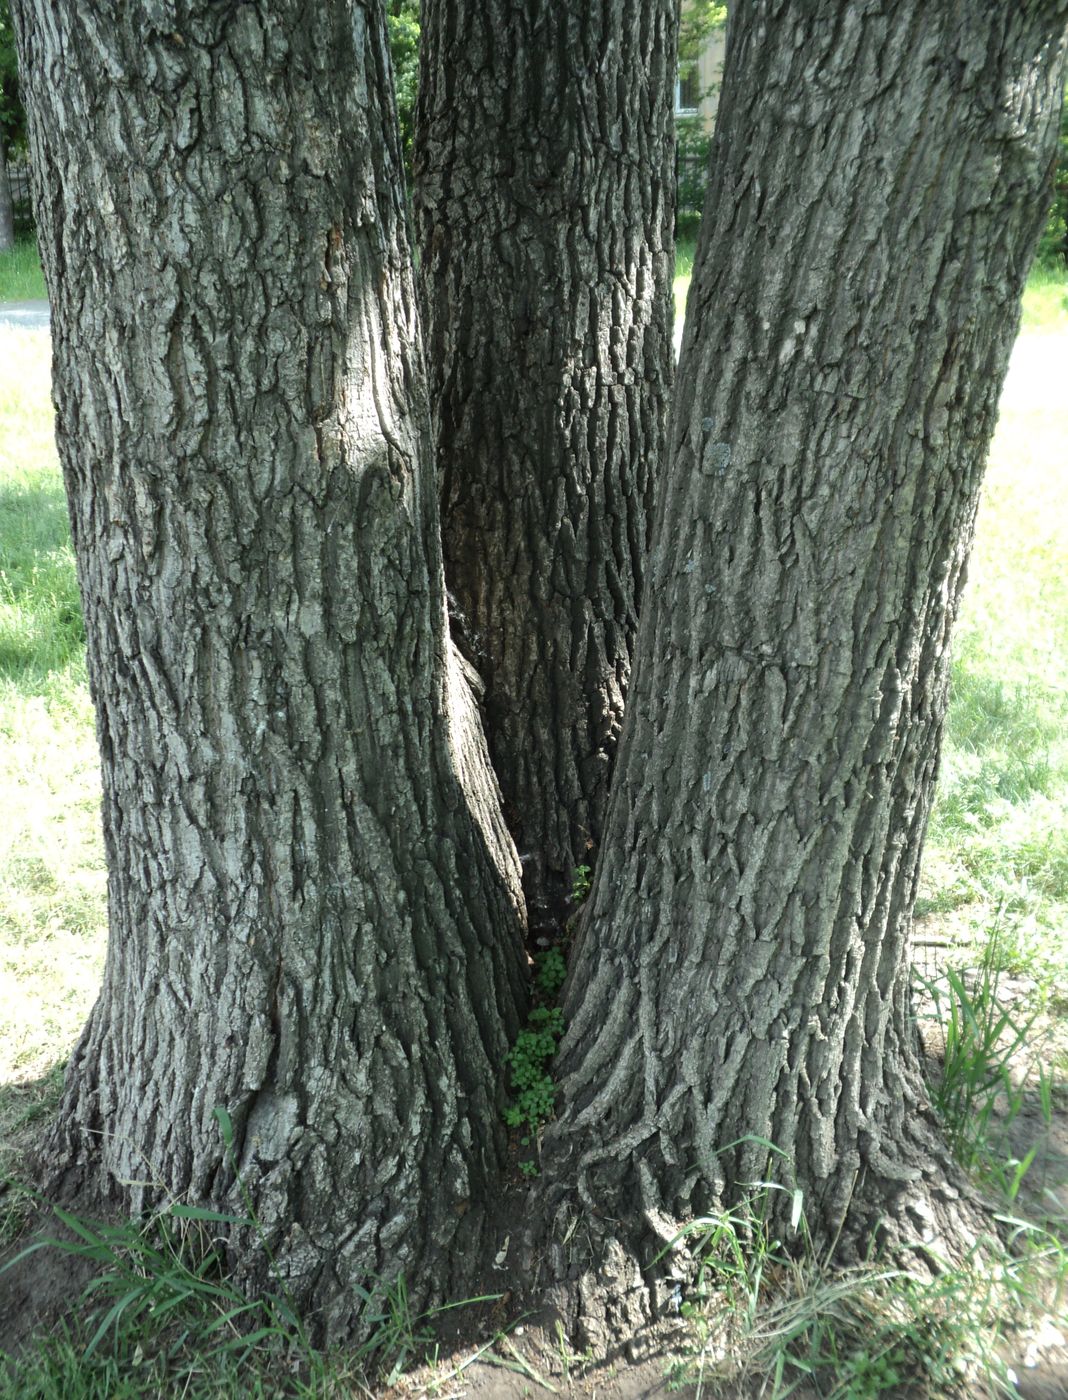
[(24, 315)]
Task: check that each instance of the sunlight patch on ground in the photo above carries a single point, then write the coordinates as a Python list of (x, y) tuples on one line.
[(52, 876)]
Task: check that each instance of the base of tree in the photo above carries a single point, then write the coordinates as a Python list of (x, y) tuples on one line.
[(611, 1277), (924, 1222)]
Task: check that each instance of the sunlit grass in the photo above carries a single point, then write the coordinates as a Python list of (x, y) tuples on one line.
[(20, 274), (52, 878), (1046, 299)]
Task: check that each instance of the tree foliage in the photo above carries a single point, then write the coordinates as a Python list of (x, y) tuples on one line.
[(402, 20), (697, 22), (12, 118)]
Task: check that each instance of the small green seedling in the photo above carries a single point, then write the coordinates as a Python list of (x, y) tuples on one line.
[(532, 1087), (580, 884), (550, 970)]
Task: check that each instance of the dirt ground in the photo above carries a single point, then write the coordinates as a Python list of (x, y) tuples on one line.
[(38, 1292)]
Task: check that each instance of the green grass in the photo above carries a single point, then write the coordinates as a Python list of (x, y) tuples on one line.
[(21, 278), (770, 1316), (52, 876), (161, 1316), (1046, 299), (988, 1056)]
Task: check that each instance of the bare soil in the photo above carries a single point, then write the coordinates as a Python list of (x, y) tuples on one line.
[(39, 1290)]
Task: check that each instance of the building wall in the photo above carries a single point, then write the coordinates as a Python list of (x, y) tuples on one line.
[(709, 76)]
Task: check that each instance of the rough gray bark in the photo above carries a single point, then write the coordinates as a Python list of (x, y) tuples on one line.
[(315, 915), (7, 212), (544, 176), (878, 181)]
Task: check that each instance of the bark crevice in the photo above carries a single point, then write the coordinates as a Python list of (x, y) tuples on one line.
[(543, 210)]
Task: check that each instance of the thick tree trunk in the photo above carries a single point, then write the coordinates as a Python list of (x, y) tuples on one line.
[(7, 211), (878, 181), (544, 202), (315, 908)]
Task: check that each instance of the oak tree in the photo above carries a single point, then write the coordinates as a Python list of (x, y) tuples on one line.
[(879, 179), (315, 914), (315, 910)]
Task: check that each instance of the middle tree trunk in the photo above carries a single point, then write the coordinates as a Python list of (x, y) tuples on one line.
[(544, 195)]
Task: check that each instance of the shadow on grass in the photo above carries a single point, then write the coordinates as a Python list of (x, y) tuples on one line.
[(26, 1105)]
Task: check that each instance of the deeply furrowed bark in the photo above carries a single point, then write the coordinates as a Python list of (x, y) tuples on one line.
[(544, 176), (315, 914), (878, 180)]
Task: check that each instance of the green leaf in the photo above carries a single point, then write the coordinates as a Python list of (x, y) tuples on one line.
[(82, 1231), (226, 1126)]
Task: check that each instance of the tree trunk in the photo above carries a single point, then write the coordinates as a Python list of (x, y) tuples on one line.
[(878, 181), (315, 915), (7, 211), (544, 172)]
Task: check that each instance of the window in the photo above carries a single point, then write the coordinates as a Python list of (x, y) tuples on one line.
[(687, 89)]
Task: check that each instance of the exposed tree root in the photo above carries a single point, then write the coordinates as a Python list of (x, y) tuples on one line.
[(919, 1213), (589, 1276), (606, 1277)]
